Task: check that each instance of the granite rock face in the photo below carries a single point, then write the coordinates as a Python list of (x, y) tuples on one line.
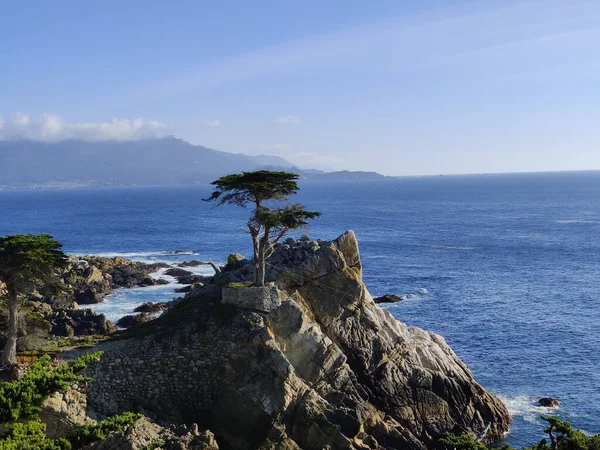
[(62, 412), (324, 367)]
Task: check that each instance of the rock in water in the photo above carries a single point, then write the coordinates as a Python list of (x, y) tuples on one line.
[(549, 402), (324, 368), (388, 298)]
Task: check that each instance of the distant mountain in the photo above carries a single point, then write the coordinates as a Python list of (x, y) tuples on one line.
[(273, 161), (152, 162), (167, 161)]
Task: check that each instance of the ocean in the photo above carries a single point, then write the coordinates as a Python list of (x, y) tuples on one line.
[(505, 267)]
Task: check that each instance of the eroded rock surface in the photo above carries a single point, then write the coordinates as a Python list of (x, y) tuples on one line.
[(62, 412), (325, 368), (145, 432)]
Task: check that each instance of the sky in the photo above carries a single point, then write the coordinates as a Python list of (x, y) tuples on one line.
[(399, 87)]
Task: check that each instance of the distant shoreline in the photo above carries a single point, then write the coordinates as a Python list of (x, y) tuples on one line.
[(324, 177)]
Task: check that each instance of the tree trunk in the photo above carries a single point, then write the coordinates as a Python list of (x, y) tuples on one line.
[(9, 353), (259, 264), (260, 269), (256, 246)]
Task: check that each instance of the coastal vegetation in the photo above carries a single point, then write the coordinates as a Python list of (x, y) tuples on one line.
[(561, 436), (23, 398), (26, 262), (32, 435), (267, 224)]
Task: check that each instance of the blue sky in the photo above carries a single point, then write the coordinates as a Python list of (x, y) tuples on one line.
[(414, 87)]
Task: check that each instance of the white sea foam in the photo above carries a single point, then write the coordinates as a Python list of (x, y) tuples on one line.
[(138, 255), (526, 407), (577, 221), (445, 247), (124, 300)]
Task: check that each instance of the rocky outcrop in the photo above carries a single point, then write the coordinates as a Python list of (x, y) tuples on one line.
[(322, 367), (124, 273), (80, 322), (132, 320), (145, 432), (152, 308), (88, 279), (62, 412)]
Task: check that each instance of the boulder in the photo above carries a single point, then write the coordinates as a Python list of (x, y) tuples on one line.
[(81, 322), (62, 412), (178, 272), (152, 308), (388, 298), (184, 289), (130, 321), (191, 279), (192, 263), (549, 402)]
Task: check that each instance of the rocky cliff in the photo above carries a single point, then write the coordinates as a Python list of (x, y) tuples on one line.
[(310, 363)]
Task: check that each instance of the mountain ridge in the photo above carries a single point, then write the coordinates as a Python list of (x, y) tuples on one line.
[(147, 162)]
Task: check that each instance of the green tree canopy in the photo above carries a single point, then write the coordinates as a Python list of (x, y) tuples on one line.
[(253, 187), (267, 225), (26, 262)]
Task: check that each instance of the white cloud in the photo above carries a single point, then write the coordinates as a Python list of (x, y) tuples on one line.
[(212, 123), (51, 127), (288, 120)]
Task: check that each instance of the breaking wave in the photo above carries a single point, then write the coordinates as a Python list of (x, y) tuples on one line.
[(526, 407)]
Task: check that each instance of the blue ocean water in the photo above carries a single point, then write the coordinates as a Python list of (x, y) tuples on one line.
[(505, 267)]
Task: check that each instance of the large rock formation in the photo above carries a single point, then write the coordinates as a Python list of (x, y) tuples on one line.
[(321, 366)]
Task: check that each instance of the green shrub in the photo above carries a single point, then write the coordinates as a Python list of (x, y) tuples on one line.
[(152, 445), (86, 434), (232, 260), (23, 398), (32, 435), (238, 285)]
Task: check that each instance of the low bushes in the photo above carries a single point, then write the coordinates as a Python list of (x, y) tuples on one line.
[(22, 399)]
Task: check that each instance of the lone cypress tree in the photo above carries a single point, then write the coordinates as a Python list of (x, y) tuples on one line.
[(26, 262), (267, 225)]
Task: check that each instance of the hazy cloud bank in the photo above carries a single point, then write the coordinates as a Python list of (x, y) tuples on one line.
[(51, 127)]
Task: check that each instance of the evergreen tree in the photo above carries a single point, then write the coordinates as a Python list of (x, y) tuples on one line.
[(267, 225), (26, 263)]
